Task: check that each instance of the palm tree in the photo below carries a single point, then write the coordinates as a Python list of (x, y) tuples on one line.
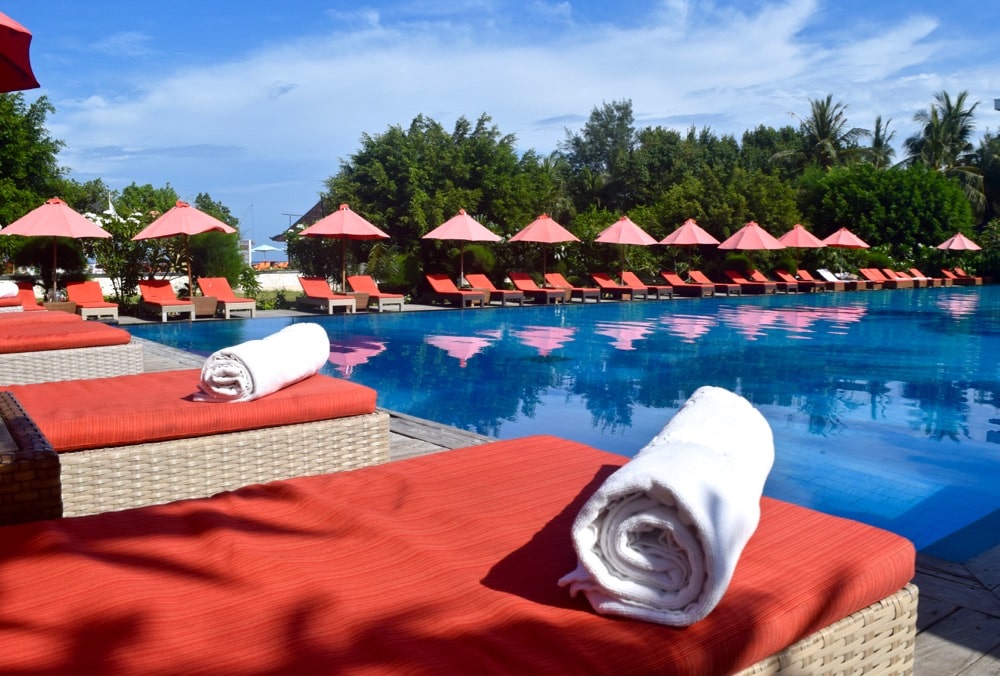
[(826, 138), (881, 152), (945, 143)]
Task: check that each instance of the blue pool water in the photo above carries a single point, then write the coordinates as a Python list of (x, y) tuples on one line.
[(884, 405)]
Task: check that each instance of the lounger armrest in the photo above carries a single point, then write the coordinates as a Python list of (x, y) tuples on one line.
[(30, 488)]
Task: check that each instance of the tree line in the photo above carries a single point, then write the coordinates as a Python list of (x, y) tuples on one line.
[(821, 172)]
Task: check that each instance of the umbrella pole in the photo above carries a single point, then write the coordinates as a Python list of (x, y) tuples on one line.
[(544, 261), (461, 264), (55, 261), (187, 255), (343, 265)]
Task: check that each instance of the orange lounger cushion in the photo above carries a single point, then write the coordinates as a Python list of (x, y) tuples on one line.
[(445, 563), (103, 412), (59, 335)]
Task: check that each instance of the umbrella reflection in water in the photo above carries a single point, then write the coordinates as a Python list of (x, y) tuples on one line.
[(545, 339), (688, 327), (462, 348), (624, 333), (347, 354)]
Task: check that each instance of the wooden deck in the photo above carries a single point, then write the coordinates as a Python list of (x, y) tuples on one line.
[(959, 612)]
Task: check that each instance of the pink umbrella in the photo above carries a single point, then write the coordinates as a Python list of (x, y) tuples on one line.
[(959, 242), (462, 348), (183, 220), (545, 339), (689, 234), (845, 239), (751, 237), (345, 355), (801, 238), (546, 231), (624, 231), (54, 219), (15, 66), (624, 334), (464, 228), (344, 224)]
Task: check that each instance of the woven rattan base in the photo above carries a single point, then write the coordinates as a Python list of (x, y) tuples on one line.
[(110, 479), (876, 640), (18, 368), (29, 468)]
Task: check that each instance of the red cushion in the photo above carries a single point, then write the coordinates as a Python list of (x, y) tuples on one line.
[(55, 316), (125, 410), (38, 336), (445, 563)]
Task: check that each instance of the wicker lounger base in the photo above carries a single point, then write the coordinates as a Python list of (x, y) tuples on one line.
[(877, 639), (18, 368), (110, 479)]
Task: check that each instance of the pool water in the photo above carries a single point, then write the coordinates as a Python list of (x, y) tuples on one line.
[(884, 404)]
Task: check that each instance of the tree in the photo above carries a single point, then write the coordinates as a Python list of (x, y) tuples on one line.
[(826, 138), (880, 153)]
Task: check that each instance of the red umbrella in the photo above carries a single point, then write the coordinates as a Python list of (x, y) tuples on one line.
[(54, 219), (751, 237), (624, 231), (801, 238), (344, 224), (15, 66), (546, 231), (959, 242), (183, 220), (689, 234), (845, 239), (464, 228)]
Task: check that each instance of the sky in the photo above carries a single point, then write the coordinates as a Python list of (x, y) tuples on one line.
[(258, 103)]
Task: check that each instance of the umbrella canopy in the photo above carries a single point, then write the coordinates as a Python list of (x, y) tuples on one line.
[(689, 234), (959, 242), (800, 238), (752, 237), (183, 220), (545, 231), (54, 219), (344, 224), (15, 66), (464, 228), (624, 231), (845, 239)]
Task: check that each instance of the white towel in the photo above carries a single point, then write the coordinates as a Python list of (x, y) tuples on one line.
[(660, 538), (8, 289), (257, 368)]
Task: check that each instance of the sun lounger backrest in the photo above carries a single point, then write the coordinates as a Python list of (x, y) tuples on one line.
[(557, 279), (523, 281), (84, 292), (480, 281), (699, 277), (217, 287), (157, 291), (629, 278), (441, 283), (316, 287), (827, 275), (363, 284), (604, 280), (26, 294)]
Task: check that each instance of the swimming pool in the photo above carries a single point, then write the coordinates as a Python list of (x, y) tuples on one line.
[(883, 404)]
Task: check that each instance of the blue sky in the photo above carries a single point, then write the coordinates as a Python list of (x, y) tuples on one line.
[(257, 103)]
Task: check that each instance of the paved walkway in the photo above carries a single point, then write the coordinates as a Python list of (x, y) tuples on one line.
[(958, 623)]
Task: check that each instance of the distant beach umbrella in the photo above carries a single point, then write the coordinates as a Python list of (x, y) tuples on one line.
[(15, 64), (845, 239), (463, 228), (624, 232), (959, 242), (545, 231)]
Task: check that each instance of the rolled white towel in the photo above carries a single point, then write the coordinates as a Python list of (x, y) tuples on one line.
[(660, 538), (256, 368), (8, 289)]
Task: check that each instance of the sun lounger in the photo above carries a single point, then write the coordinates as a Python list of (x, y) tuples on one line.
[(557, 281), (804, 285), (136, 440), (159, 298), (612, 289), (444, 563), (749, 286), (930, 281), (831, 284), (90, 301), (364, 284), (960, 277), (47, 346), (727, 288), (480, 282), (26, 296), (443, 289), (875, 275), (319, 295), (688, 289), (226, 299), (850, 284), (524, 283), (780, 286), (629, 278)]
